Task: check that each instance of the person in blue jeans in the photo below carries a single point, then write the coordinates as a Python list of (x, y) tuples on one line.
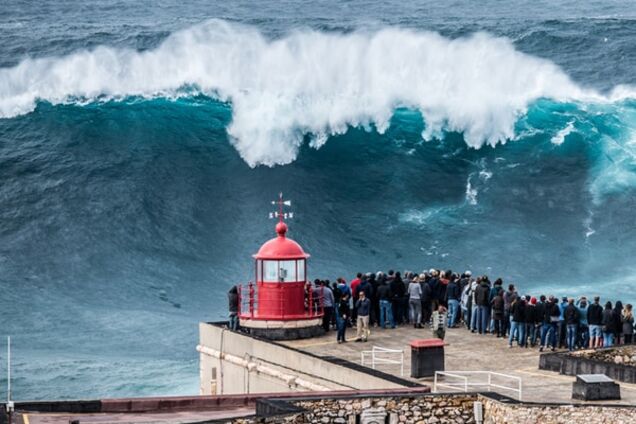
[(518, 323), (342, 316), (550, 324), (571, 318), (481, 299), (608, 326), (233, 306), (386, 308), (453, 295)]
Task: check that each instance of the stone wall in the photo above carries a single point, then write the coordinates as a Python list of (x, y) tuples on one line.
[(496, 412), (433, 409), (439, 409), (616, 363)]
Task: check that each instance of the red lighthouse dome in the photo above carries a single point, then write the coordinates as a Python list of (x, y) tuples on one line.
[(281, 247)]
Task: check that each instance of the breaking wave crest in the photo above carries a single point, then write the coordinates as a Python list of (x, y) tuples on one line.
[(312, 84)]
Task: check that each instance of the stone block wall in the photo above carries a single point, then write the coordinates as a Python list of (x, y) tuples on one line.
[(441, 409), (433, 409), (496, 412)]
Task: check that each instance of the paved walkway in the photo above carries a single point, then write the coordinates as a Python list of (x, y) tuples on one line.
[(176, 417), (465, 351)]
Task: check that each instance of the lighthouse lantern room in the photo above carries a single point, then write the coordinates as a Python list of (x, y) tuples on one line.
[(281, 305)]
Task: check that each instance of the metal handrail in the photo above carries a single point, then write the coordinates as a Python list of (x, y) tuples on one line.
[(377, 350), (464, 375)]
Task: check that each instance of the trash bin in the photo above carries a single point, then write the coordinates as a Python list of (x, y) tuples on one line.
[(427, 356)]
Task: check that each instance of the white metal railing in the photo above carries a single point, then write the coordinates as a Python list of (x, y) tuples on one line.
[(382, 355), (464, 382)]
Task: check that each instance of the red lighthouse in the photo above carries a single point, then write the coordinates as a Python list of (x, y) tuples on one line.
[(281, 305)]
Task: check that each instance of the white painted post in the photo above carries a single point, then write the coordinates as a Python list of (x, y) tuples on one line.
[(8, 369)]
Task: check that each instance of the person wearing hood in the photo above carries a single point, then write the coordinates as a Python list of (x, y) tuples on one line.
[(233, 306)]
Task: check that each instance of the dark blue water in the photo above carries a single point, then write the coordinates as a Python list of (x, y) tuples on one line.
[(141, 144)]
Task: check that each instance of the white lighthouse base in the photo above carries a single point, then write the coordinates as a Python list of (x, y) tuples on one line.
[(283, 330)]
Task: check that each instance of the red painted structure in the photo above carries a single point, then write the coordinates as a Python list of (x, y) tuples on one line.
[(281, 292)]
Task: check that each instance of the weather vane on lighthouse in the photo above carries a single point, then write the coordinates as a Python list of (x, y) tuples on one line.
[(279, 213)]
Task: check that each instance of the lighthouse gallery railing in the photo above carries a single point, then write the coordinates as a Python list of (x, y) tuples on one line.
[(248, 302)]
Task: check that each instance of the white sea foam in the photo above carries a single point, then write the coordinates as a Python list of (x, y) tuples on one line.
[(310, 82), (559, 137)]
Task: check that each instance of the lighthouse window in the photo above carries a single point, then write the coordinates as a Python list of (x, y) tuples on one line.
[(301, 270), (287, 271), (270, 271)]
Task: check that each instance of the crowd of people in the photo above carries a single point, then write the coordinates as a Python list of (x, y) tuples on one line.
[(388, 300)]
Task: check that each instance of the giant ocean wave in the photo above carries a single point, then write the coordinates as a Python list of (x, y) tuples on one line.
[(310, 85)]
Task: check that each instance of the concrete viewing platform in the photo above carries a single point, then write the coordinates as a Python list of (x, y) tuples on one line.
[(465, 351)]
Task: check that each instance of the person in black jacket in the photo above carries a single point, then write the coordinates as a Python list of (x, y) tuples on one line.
[(571, 317), (530, 320), (397, 292), (497, 305), (483, 307), (453, 295), (384, 297), (538, 318), (233, 306), (427, 298), (550, 322), (518, 325), (595, 323), (608, 325), (342, 316), (617, 314)]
